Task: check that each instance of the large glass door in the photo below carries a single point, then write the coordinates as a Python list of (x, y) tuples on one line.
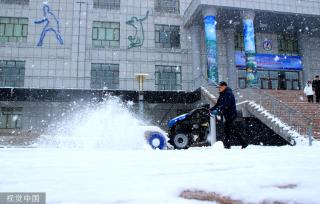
[(274, 79), (242, 79), (268, 79), (264, 79), (281, 80), (292, 81)]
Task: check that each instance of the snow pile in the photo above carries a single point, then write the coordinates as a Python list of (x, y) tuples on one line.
[(109, 125), (218, 145)]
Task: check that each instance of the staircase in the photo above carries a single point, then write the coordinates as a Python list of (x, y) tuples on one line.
[(297, 100), (285, 112)]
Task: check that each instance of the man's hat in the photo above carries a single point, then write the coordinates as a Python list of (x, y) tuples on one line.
[(223, 83)]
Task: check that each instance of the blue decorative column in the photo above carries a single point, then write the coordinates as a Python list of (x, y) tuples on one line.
[(210, 32), (250, 49), (209, 18)]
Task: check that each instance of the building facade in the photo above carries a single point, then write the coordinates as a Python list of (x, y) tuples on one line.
[(177, 45), (97, 44), (282, 36)]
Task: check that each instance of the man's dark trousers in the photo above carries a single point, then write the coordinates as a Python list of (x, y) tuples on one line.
[(230, 129), (317, 96)]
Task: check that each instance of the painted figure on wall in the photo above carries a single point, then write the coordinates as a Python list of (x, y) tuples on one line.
[(51, 23), (211, 46), (250, 51), (137, 39)]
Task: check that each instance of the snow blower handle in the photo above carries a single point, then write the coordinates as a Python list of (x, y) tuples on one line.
[(214, 112)]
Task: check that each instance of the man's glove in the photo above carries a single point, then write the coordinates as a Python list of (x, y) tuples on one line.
[(215, 112)]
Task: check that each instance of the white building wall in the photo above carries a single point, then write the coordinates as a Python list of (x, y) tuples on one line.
[(59, 66)]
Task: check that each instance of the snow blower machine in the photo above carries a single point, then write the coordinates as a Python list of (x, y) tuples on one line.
[(190, 129)]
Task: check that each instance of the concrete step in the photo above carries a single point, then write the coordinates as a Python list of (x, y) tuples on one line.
[(298, 101)]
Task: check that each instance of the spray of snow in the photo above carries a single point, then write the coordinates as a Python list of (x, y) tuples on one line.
[(108, 125)]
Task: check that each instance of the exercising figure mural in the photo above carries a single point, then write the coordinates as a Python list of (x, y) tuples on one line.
[(51, 24)]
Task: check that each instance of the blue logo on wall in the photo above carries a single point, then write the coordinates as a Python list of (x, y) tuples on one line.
[(51, 24), (267, 45)]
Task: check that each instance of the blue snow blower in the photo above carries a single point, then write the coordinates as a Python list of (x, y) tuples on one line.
[(190, 128)]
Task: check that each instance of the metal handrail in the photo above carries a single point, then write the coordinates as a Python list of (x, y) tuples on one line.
[(288, 107), (296, 120), (287, 115)]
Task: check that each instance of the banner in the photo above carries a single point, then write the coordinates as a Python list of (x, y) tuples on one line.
[(250, 52), (271, 62), (211, 45)]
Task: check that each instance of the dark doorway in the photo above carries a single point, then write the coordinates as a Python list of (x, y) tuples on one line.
[(282, 80)]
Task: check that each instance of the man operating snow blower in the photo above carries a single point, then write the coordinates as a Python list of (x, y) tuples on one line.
[(226, 106)]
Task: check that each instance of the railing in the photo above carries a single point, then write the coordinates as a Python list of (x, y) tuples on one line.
[(294, 119)]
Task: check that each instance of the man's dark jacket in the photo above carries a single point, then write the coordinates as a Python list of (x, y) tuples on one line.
[(226, 104), (316, 85)]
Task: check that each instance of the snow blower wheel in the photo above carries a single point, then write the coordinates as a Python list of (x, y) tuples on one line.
[(181, 141), (157, 141)]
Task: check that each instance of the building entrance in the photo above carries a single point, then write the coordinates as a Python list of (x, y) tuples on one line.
[(281, 80)]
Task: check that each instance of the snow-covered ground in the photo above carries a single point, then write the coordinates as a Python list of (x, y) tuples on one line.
[(96, 176), (99, 155)]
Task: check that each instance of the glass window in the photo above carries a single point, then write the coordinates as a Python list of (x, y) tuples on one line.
[(288, 45), (274, 84), (292, 75), (167, 6), (4, 20), (23, 2), (295, 85), (105, 34), (11, 118), (107, 4), (2, 26), (101, 34), (116, 34), (95, 34), (242, 74), (110, 34), (96, 24), (12, 73), (17, 30), (274, 74), (8, 30), (114, 43), (23, 21), (167, 36), (263, 74), (239, 43), (168, 77), (24, 30), (13, 29), (104, 76)]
